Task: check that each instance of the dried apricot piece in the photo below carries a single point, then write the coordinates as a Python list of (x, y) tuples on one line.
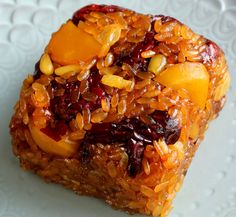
[(71, 45), (193, 77)]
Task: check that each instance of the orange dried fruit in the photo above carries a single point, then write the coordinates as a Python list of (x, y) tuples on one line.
[(71, 45), (193, 77)]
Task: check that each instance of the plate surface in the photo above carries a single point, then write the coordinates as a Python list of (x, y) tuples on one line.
[(25, 27)]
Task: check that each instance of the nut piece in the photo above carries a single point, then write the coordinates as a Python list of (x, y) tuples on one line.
[(46, 65), (157, 64)]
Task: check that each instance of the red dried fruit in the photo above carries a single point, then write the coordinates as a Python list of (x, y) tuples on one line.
[(135, 152), (66, 106), (57, 131), (134, 135), (134, 57)]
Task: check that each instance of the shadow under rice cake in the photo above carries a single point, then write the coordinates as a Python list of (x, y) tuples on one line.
[(118, 105)]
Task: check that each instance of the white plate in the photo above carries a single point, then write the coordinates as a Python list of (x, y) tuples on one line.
[(25, 27)]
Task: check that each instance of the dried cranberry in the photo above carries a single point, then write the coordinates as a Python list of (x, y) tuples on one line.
[(66, 106), (134, 135), (95, 85), (98, 91), (61, 128), (166, 126), (57, 131), (134, 58), (135, 151), (79, 15), (62, 106)]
